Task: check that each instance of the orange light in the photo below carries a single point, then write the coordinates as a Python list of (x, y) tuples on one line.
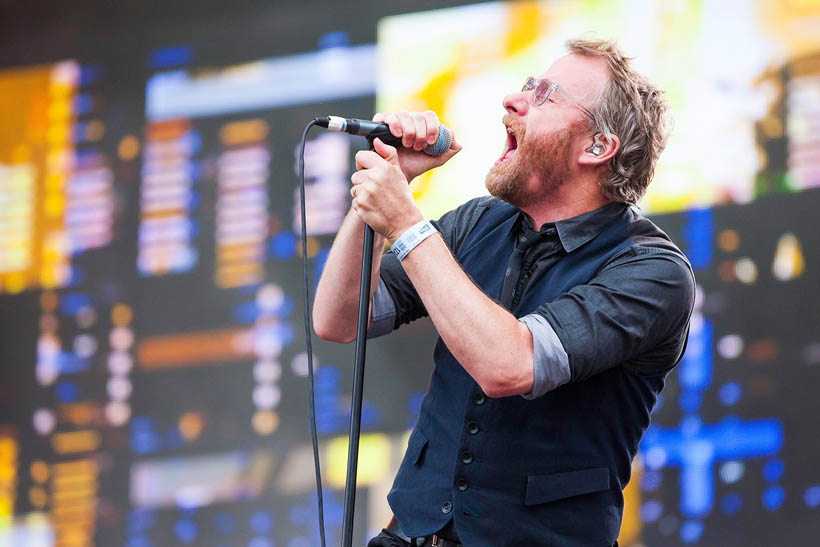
[(190, 349), (73, 442), (121, 314)]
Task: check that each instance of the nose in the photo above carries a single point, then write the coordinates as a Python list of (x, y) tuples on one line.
[(516, 103)]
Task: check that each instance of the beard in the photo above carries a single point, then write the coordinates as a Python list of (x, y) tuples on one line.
[(546, 159)]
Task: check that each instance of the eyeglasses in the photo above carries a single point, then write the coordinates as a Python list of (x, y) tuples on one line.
[(542, 88)]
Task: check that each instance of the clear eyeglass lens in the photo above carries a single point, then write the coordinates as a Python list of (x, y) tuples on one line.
[(542, 92)]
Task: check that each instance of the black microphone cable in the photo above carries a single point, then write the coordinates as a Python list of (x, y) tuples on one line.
[(314, 436)]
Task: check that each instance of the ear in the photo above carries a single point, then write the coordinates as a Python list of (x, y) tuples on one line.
[(602, 149)]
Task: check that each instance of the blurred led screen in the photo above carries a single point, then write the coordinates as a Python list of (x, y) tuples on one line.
[(153, 384), (741, 77)]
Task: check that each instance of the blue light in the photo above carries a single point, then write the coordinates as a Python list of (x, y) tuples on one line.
[(225, 524), (170, 56), (689, 400), (138, 541), (729, 439), (71, 303), (319, 262), (651, 480), (83, 103), (283, 245), (730, 393), (337, 38), (731, 504), (185, 530), (773, 470), (300, 515), (695, 369), (691, 531), (773, 498), (90, 74), (261, 522), (812, 496), (67, 392), (260, 542), (651, 511), (143, 438), (246, 312), (140, 519), (698, 233)]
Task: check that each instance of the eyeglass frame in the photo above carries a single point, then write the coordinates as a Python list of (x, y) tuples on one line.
[(532, 84)]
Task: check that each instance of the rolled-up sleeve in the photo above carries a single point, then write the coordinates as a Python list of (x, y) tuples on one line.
[(382, 312), (550, 361), (634, 312)]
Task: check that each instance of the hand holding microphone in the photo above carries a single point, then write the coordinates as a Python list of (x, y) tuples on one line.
[(422, 142)]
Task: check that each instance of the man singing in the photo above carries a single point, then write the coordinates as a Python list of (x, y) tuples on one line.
[(560, 310)]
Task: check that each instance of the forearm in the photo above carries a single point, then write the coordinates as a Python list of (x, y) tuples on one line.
[(335, 307), (490, 343)]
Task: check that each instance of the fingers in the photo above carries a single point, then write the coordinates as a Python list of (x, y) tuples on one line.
[(392, 121), (386, 151), (432, 123), (365, 159), (408, 129)]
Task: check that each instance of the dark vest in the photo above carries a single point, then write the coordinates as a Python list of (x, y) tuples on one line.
[(518, 472)]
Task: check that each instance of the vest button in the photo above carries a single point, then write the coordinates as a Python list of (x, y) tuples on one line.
[(479, 398), (467, 457), (472, 428), (446, 507), (462, 485)]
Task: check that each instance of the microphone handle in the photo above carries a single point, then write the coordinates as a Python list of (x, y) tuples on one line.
[(371, 130)]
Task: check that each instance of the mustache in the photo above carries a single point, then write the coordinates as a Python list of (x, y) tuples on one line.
[(515, 124)]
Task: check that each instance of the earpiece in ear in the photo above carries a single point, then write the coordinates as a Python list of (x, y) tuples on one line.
[(598, 147)]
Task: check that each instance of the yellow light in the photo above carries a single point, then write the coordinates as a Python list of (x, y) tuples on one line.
[(374, 460), (788, 258), (313, 247), (15, 282), (54, 205)]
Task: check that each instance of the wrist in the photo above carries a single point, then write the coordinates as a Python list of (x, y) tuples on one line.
[(403, 227), (412, 237)]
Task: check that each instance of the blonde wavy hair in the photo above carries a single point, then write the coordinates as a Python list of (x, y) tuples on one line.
[(634, 110)]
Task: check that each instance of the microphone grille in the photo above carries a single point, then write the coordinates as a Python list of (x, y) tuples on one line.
[(442, 144)]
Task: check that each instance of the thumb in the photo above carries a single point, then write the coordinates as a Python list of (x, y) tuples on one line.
[(386, 151)]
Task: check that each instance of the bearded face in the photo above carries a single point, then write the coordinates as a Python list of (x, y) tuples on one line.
[(530, 167)]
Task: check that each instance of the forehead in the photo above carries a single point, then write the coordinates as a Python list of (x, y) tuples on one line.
[(581, 76)]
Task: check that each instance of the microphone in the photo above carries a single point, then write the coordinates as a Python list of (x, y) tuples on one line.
[(371, 130)]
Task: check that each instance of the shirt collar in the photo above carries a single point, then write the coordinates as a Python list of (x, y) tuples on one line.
[(574, 232)]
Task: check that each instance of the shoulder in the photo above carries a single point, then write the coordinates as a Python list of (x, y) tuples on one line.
[(457, 224), (649, 244)]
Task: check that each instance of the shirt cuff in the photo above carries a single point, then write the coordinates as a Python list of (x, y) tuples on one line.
[(382, 312), (550, 361)]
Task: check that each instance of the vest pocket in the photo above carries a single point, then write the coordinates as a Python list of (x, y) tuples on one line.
[(415, 447), (556, 486)]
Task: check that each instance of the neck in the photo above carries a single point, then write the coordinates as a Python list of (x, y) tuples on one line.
[(573, 198)]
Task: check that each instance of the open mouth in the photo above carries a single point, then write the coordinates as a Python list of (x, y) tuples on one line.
[(512, 146)]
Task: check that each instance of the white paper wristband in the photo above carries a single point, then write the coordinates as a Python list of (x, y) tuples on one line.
[(411, 238)]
